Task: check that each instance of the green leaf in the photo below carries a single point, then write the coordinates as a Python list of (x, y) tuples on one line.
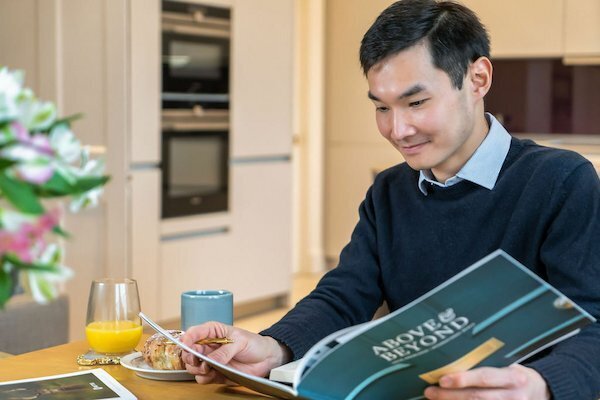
[(5, 287), (20, 195), (89, 183), (61, 232), (18, 263), (5, 163), (55, 186), (67, 120), (59, 186)]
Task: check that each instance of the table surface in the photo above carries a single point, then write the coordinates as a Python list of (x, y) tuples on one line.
[(62, 359)]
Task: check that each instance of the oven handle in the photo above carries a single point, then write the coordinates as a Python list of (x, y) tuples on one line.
[(195, 112), (195, 126), (195, 30), (195, 17)]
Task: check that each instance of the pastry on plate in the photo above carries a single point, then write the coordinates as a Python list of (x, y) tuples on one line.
[(160, 353)]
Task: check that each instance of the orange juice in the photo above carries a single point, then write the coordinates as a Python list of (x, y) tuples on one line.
[(113, 336)]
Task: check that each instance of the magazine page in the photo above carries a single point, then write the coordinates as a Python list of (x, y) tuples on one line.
[(261, 385), (494, 313), (321, 349), (96, 384)]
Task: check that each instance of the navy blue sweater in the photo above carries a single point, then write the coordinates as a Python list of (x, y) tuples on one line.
[(544, 211)]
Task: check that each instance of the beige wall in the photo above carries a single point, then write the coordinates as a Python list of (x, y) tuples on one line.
[(353, 144)]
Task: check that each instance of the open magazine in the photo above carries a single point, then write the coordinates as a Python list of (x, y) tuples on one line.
[(494, 313)]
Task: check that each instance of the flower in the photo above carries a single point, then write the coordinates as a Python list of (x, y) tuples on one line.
[(40, 160)]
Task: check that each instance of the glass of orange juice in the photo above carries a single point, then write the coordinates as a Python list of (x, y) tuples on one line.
[(113, 325)]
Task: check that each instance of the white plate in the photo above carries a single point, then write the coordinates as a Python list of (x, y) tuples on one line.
[(135, 362)]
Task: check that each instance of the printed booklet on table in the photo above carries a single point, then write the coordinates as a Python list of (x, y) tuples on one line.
[(494, 313), (91, 384)]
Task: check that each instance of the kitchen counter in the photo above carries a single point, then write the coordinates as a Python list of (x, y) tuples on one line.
[(586, 145)]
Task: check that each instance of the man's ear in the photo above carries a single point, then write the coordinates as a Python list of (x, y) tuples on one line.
[(480, 76)]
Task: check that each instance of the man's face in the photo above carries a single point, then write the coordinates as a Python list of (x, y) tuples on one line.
[(432, 124)]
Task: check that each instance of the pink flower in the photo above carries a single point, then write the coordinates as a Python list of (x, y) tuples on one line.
[(17, 243), (34, 173), (39, 141), (29, 239), (20, 131)]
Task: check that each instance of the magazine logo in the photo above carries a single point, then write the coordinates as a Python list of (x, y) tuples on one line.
[(430, 333)]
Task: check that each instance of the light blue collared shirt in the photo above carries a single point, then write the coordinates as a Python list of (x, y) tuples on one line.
[(484, 165)]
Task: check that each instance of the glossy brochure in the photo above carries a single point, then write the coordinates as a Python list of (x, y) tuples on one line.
[(494, 313)]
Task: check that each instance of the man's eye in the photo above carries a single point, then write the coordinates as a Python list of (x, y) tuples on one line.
[(417, 103), (381, 109)]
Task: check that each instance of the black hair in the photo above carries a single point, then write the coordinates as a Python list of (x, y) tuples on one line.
[(453, 33)]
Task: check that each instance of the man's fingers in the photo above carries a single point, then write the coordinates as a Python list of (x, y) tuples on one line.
[(207, 330), (484, 377), (225, 353), (190, 359), (211, 377), (437, 393)]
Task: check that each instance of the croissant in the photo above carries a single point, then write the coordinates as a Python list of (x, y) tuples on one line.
[(160, 353)]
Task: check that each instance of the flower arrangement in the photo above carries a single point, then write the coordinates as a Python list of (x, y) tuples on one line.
[(41, 160)]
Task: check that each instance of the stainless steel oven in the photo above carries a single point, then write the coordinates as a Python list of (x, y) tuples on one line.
[(195, 162), (195, 108), (195, 54)]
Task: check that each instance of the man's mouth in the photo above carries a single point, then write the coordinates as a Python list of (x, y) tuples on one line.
[(413, 148)]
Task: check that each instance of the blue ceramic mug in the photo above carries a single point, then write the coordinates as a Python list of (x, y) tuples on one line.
[(198, 306)]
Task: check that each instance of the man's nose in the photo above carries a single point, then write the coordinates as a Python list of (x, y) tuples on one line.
[(402, 127)]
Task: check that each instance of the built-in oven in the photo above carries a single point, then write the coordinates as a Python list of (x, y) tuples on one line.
[(195, 162), (195, 54), (195, 108)]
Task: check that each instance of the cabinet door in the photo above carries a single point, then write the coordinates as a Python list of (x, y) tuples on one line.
[(532, 28), (145, 80), (262, 77), (144, 211), (582, 28), (261, 229), (201, 262)]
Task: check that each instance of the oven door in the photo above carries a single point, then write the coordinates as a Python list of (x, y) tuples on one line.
[(194, 64), (195, 172)]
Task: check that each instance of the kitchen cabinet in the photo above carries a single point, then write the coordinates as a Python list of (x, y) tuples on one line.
[(261, 229), (144, 233), (198, 262), (532, 28), (249, 256), (247, 249), (262, 78), (145, 81), (582, 28)]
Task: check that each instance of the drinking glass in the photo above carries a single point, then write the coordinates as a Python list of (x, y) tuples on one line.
[(113, 325)]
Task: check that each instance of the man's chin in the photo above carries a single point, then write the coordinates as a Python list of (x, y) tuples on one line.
[(417, 165)]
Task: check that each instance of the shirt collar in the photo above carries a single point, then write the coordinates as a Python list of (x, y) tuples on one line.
[(484, 165)]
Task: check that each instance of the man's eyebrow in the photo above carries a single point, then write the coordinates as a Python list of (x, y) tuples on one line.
[(410, 92)]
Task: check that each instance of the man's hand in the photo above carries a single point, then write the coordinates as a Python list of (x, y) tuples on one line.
[(514, 382), (249, 352)]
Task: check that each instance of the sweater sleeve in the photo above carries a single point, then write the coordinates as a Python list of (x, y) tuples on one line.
[(347, 295), (571, 254)]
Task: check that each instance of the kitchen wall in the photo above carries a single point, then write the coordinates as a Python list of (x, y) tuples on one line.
[(354, 147)]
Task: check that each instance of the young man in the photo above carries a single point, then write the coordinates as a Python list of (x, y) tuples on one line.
[(467, 188)]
